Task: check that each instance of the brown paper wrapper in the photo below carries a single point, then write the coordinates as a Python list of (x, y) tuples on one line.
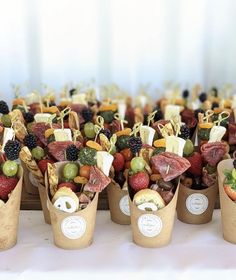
[(72, 231), (196, 206), (153, 229), (9, 217), (28, 186), (118, 200), (43, 199), (228, 207)]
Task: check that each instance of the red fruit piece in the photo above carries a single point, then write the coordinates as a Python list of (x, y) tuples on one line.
[(195, 159), (139, 181), (7, 185), (43, 163), (68, 185), (118, 162), (230, 192)]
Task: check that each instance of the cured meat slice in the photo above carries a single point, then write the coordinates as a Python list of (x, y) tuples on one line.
[(116, 126), (57, 149), (232, 133), (170, 165), (97, 180), (39, 130), (209, 179), (213, 152)]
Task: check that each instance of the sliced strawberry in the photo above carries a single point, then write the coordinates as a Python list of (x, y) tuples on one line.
[(195, 159), (118, 162), (7, 185), (43, 163)]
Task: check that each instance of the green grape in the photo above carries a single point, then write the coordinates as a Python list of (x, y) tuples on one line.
[(38, 153), (188, 148), (10, 168), (6, 120), (137, 164), (89, 130), (70, 171)]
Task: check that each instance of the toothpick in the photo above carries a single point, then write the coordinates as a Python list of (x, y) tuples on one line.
[(98, 126), (151, 116)]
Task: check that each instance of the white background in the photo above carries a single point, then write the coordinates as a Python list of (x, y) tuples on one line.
[(130, 42)]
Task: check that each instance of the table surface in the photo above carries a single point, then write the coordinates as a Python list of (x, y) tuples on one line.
[(195, 251)]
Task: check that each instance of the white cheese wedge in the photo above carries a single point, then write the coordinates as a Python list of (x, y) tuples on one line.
[(79, 98), (171, 111), (216, 133), (122, 110), (8, 134), (147, 134), (104, 161), (63, 134), (195, 104), (42, 117), (175, 145)]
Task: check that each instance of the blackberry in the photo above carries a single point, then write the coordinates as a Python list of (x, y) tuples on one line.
[(234, 163), (185, 93), (12, 149), (30, 141), (107, 132), (87, 114), (203, 97), (4, 107), (158, 115), (135, 144), (72, 153), (184, 132), (196, 113), (29, 117)]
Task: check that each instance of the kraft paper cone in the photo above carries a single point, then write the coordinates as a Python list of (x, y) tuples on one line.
[(72, 231), (9, 217), (43, 199), (118, 200), (228, 207), (30, 184), (196, 206), (153, 229)]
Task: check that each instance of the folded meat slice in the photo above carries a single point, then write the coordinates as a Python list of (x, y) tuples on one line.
[(97, 180), (170, 165), (39, 130), (57, 149), (232, 133), (213, 152)]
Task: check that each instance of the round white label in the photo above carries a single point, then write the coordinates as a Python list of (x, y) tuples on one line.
[(197, 203), (32, 179), (124, 205), (73, 227), (150, 225)]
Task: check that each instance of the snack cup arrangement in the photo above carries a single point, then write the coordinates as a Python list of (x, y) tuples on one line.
[(11, 176), (227, 188)]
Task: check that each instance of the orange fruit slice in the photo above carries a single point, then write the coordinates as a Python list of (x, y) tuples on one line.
[(126, 131), (112, 107), (18, 101), (206, 125), (80, 180), (160, 143), (52, 109), (94, 145), (48, 132)]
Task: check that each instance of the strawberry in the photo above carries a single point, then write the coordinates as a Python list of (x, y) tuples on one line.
[(42, 164), (7, 185), (195, 159), (68, 185), (139, 181), (118, 162)]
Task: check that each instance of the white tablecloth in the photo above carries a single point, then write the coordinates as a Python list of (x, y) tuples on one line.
[(196, 252)]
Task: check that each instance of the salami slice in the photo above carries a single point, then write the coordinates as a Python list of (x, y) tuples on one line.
[(170, 165), (39, 130), (232, 133), (97, 180), (214, 152), (209, 179), (57, 149)]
